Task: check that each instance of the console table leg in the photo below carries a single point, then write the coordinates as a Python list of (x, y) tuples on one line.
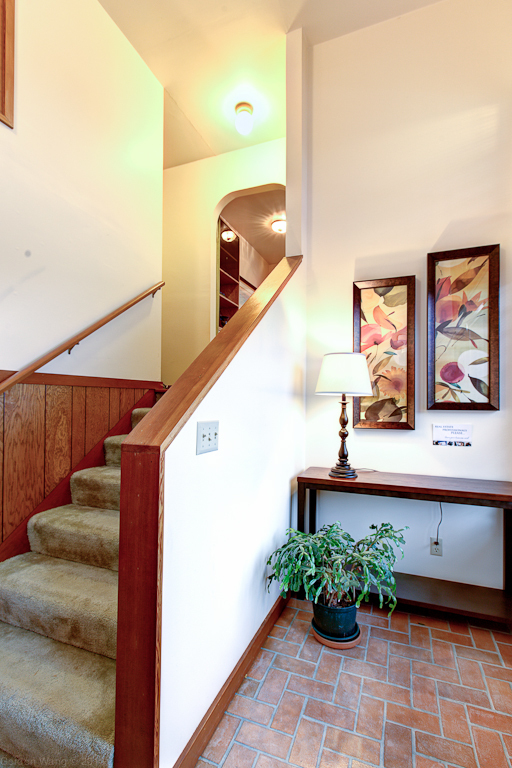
[(301, 502), (312, 510), (507, 550)]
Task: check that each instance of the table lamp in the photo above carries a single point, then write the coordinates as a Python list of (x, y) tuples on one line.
[(344, 373)]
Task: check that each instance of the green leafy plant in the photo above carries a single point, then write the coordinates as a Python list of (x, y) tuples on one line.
[(335, 569)]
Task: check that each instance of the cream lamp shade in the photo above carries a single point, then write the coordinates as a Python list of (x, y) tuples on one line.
[(344, 373)]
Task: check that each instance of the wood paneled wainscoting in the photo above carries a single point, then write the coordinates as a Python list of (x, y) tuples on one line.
[(47, 426)]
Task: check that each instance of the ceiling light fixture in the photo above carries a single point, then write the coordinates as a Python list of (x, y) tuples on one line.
[(244, 117), (279, 225), (228, 235)]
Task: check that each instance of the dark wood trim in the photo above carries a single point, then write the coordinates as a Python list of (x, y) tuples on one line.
[(458, 490), (139, 611), (68, 345), (141, 537), (410, 282), (493, 605), (17, 542), (450, 597), (207, 726), (493, 252), (67, 380), (166, 419), (7, 62)]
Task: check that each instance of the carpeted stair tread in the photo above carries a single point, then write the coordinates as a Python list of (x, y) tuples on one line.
[(84, 534), (112, 446), (69, 602), (97, 487), (138, 414), (8, 761), (56, 702)]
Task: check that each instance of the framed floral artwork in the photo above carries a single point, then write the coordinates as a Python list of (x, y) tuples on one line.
[(7, 62), (463, 329), (384, 329)]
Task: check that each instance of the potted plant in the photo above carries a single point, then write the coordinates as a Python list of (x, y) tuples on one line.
[(337, 573)]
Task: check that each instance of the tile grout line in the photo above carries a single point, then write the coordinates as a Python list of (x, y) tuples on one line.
[(497, 660)]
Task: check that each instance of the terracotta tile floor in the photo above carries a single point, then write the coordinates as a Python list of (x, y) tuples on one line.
[(418, 692)]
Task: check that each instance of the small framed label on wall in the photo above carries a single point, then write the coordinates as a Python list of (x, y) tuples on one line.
[(7, 62)]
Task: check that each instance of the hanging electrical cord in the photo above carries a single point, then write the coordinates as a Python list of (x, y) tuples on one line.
[(436, 542)]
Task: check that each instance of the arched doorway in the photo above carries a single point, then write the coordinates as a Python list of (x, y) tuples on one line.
[(248, 246)]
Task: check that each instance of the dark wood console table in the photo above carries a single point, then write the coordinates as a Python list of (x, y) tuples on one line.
[(493, 605)]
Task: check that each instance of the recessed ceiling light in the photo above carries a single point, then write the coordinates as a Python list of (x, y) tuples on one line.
[(279, 225), (228, 235), (244, 117)]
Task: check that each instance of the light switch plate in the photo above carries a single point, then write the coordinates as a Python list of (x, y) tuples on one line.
[(207, 436)]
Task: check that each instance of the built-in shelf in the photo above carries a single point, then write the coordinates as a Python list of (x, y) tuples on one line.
[(229, 276)]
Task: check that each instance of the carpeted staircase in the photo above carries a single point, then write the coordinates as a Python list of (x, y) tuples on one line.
[(58, 615)]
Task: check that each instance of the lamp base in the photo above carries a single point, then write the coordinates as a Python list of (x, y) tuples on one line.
[(344, 471)]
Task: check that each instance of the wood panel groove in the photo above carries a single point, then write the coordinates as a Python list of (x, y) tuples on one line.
[(126, 400), (24, 414), (46, 431), (114, 400), (17, 543), (96, 415), (59, 413), (77, 425)]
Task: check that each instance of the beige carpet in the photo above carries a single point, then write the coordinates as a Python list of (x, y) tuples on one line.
[(56, 701), (80, 533), (58, 617), (67, 601)]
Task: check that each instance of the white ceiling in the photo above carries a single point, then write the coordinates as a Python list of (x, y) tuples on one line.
[(211, 54), (252, 215)]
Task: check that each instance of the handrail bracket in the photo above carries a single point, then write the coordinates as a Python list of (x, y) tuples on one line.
[(68, 345)]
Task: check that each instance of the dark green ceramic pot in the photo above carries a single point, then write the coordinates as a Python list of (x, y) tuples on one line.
[(335, 623)]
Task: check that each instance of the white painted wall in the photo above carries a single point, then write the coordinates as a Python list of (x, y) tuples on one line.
[(194, 195), (80, 194), (253, 267), (298, 119), (411, 153), (225, 512)]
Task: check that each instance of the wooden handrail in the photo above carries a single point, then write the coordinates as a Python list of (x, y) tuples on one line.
[(68, 345), (162, 424), (141, 533)]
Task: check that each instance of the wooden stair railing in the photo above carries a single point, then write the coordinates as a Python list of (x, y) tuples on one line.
[(137, 732), (68, 345)]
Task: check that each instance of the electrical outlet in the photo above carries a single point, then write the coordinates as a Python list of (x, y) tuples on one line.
[(436, 547), (207, 436)]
